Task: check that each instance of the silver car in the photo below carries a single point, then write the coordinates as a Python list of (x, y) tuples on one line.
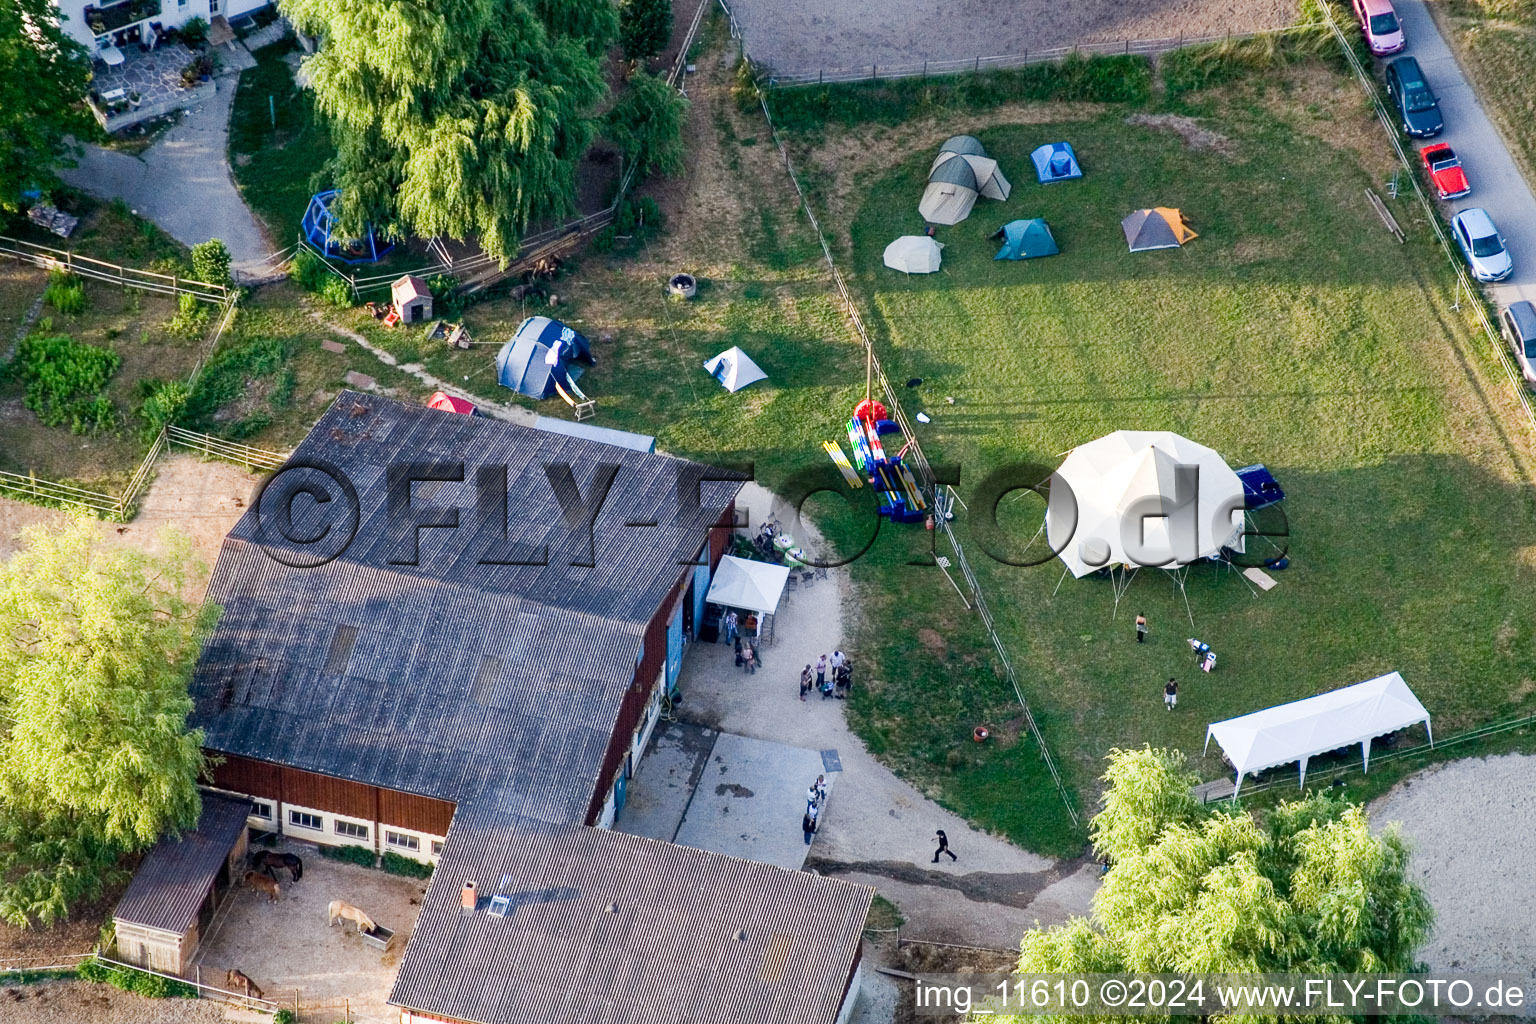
[(1487, 256), (1518, 324)]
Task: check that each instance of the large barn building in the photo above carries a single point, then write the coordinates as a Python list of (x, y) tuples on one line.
[(478, 696)]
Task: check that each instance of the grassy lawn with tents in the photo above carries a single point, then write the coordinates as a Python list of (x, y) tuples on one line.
[(1294, 332)]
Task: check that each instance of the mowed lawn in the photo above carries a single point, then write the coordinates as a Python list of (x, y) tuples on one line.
[(1294, 332)]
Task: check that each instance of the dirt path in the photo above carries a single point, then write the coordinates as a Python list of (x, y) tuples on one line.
[(879, 829)]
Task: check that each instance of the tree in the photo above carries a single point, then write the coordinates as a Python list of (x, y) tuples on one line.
[(210, 261), (96, 760), (647, 124), (1196, 890), (457, 117), (43, 78), (645, 27)]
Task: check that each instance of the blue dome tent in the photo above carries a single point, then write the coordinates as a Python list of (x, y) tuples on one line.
[(319, 225), (1056, 162), (537, 360), (1025, 239)]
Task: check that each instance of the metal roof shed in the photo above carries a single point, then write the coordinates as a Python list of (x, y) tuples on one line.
[(178, 886)]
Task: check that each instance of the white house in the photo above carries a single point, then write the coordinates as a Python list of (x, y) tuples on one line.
[(130, 22)]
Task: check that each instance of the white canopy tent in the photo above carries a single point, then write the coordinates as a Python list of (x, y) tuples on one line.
[(1305, 728), (734, 369), (914, 254), (743, 583)]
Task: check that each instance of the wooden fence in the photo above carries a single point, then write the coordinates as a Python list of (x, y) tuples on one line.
[(99, 270), (229, 451)]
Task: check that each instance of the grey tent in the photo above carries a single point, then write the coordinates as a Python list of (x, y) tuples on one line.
[(1158, 228), (961, 172)]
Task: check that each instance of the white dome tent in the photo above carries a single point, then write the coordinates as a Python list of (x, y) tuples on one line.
[(1139, 498), (914, 254)]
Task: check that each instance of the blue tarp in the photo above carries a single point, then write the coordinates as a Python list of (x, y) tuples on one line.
[(539, 355), (1056, 162), (1259, 487)]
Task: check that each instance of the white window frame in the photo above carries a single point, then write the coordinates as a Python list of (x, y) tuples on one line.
[(294, 814), (436, 848), (256, 810), (339, 827), (402, 842)]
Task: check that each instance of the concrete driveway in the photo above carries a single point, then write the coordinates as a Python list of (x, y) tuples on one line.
[(1497, 184), (182, 183)]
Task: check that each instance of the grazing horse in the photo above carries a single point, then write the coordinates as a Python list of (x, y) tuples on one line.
[(267, 860), (257, 880), (340, 911), (238, 982)]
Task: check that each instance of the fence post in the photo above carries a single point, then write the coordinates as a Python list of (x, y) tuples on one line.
[(977, 68), (925, 70)]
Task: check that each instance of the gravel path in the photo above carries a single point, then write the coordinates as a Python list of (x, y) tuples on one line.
[(1472, 825), (78, 1002), (806, 35), (877, 826)]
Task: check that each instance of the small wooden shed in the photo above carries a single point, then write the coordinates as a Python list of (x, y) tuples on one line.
[(180, 883), (413, 299)]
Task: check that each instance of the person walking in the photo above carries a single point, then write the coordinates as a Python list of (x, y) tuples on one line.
[(808, 826), (943, 847), (730, 626), (820, 788), (737, 643), (812, 798), (838, 661), (748, 659), (1141, 628), (1171, 694), (821, 671), (805, 682)]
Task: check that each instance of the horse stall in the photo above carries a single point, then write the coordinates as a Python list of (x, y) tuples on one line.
[(180, 883)]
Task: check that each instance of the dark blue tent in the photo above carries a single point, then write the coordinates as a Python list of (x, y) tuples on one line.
[(1056, 162), (541, 355), (319, 231)]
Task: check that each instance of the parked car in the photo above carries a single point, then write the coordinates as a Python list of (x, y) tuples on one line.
[(1519, 326), (1444, 169), (1383, 32), (1487, 255), (1417, 109)]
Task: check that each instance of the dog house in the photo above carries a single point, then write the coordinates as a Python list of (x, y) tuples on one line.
[(181, 882), (413, 299)]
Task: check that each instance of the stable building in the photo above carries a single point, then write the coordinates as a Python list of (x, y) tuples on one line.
[(478, 696)]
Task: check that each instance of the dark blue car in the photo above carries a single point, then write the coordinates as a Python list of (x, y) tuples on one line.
[(1417, 109)]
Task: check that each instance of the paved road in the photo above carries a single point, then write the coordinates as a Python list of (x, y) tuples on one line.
[(182, 182), (1497, 184)]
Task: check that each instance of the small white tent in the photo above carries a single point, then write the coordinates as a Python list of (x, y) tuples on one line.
[(734, 369), (743, 583), (1142, 498), (1305, 728), (913, 254)]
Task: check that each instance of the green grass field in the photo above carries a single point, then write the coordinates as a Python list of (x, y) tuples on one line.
[(1295, 332)]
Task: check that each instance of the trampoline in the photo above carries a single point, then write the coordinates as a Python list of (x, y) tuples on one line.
[(319, 226)]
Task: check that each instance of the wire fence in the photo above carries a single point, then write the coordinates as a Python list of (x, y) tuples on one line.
[(940, 498), (976, 65), (70, 262)]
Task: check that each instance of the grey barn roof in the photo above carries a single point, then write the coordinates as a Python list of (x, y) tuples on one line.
[(449, 678), (608, 928), (175, 875)]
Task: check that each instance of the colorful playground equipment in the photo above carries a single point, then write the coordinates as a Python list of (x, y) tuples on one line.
[(319, 227), (901, 500)]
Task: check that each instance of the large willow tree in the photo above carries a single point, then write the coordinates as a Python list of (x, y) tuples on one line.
[(456, 117)]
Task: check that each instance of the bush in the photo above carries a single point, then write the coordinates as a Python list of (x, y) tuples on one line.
[(395, 864), (1114, 79), (191, 318), (283, 1017), (313, 275), (194, 31), (635, 223), (645, 26), (210, 262), (151, 986), (1212, 64), (65, 293), (65, 381), (351, 855), (647, 124), (229, 375), (164, 402)]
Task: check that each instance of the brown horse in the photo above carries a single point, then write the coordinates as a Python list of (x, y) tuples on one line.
[(268, 860), (341, 911), (257, 880), (238, 982)]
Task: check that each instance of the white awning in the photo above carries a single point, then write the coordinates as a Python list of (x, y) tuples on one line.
[(1316, 725), (743, 583)]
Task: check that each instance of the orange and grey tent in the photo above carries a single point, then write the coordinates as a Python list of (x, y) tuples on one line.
[(1157, 228)]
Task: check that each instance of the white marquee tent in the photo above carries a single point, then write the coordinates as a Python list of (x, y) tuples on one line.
[(914, 254), (743, 583), (1142, 498), (734, 369), (1305, 728)]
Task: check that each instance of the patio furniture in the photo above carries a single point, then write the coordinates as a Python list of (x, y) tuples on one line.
[(111, 56)]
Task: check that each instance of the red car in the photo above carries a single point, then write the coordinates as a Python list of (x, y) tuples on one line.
[(1444, 169)]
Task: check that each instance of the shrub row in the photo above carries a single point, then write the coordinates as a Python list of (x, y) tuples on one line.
[(1211, 64), (65, 381), (152, 986)]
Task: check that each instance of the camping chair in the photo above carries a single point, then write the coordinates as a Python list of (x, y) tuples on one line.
[(807, 577), (821, 572)]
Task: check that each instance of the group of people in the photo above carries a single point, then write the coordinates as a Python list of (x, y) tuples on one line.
[(832, 676), (815, 799), (1205, 660), (748, 658)]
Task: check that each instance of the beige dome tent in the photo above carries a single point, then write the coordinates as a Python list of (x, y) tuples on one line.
[(961, 172), (913, 254)]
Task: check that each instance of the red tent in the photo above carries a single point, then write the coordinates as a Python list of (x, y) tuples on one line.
[(450, 403)]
